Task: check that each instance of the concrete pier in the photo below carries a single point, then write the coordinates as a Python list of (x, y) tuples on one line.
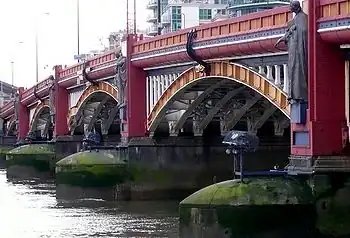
[(31, 161), (38, 159), (160, 169), (90, 174), (258, 207), (173, 168)]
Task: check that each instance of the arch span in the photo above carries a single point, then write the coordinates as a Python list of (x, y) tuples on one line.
[(90, 104), (240, 75), (102, 87), (11, 127), (41, 118)]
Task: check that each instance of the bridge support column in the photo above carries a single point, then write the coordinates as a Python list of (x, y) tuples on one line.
[(197, 130), (322, 134), (223, 127), (172, 128), (23, 117), (280, 124), (61, 106), (136, 96)]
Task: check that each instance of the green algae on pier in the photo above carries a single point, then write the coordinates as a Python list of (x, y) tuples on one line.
[(258, 207), (92, 169)]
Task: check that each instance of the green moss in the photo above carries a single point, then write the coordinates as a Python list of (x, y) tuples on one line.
[(141, 173), (235, 209), (5, 149), (92, 169), (333, 213), (92, 158), (256, 191), (32, 149), (95, 176), (41, 162), (319, 184)]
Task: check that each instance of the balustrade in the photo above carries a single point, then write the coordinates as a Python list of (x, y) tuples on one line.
[(278, 74), (156, 86)]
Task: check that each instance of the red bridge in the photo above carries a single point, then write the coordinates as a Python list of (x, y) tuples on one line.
[(157, 89)]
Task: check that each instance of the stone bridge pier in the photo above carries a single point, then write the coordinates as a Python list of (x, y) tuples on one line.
[(173, 168)]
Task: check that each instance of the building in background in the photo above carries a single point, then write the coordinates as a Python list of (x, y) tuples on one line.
[(115, 41), (6, 92), (238, 8), (179, 14)]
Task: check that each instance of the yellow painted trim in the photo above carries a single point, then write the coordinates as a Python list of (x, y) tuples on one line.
[(225, 70)]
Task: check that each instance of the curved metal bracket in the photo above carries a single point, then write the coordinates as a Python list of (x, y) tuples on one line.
[(35, 92), (52, 86), (86, 70), (191, 36)]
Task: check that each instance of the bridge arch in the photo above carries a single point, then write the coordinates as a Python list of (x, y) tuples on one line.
[(92, 102), (11, 127), (41, 120), (235, 76)]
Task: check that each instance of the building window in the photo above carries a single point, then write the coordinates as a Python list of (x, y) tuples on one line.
[(176, 21), (205, 14), (221, 1), (221, 11)]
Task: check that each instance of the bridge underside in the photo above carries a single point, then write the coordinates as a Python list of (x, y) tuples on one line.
[(214, 106), (42, 127), (11, 129), (98, 113)]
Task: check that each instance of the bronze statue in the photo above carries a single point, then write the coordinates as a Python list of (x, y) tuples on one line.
[(296, 40)]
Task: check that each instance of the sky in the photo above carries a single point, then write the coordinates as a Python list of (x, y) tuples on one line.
[(56, 24)]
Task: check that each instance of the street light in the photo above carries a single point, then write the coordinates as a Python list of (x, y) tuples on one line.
[(78, 29), (37, 51), (12, 74), (12, 71), (183, 14)]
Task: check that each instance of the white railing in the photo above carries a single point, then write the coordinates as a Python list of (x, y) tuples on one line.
[(156, 86), (278, 74)]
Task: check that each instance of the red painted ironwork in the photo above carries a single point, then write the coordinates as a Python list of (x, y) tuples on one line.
[(104, 65)]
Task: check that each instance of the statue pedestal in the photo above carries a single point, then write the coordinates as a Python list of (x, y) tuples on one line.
[(298, 113), (299, 126)]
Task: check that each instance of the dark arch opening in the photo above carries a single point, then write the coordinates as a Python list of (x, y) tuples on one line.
[(10, 128), (99, 111), (41, 127)]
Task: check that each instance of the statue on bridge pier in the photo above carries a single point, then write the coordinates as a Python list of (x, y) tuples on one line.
[(296, 39)]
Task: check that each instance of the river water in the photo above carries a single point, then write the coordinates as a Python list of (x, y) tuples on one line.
[(29, 209)]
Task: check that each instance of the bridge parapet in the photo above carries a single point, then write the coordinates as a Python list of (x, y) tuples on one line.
[(334, 21), (275, 18), (40, 87), (331, 9), (7, 109), (94, 64)]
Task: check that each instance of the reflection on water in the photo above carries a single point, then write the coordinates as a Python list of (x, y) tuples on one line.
[(30, 209)]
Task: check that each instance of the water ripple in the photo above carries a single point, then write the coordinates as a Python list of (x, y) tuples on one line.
[(29, 209)]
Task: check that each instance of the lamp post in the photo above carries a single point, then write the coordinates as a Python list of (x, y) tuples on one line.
[(12, 70), (37, 51), (159, 17), (12, 74), (78, 30), (183, 14)]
